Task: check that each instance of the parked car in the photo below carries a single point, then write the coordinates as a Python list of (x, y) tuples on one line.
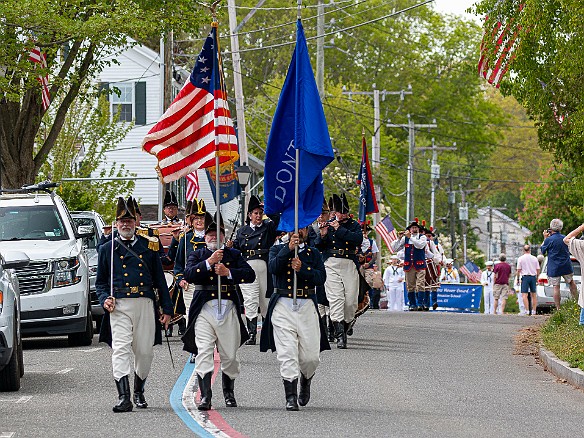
[(545, 292), (11, 358), (54, 287), (93, 219)]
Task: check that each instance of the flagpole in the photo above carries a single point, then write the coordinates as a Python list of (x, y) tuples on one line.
[(296, 173)]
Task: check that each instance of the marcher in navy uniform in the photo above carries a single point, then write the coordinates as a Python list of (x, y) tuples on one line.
[(298, 335), (131, 323), (339, 243), (254, 240), (414, 245), (208, 326)]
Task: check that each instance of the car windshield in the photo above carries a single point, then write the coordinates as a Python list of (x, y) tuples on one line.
[(91, 242), (41, 222)]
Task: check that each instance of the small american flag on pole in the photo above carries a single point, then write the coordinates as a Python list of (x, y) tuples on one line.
[(38, 57), (192, 186), (197, 123), (387, 231), (471, 272)]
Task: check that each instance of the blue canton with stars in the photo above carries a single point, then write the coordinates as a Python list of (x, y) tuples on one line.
[(204, 74)]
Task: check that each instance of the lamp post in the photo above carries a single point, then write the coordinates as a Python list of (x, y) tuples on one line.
[(243, 175)]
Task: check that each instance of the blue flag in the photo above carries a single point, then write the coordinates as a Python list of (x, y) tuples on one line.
[(298, 123), (228, 182), (367, 201)]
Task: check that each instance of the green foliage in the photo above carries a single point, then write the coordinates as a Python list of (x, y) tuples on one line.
[(562, 335), (88, 129)]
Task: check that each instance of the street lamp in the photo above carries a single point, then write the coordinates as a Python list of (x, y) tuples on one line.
[(243, 176)]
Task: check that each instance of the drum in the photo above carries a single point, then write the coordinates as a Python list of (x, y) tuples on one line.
[(174, 292), (432, 274), (165, 234)]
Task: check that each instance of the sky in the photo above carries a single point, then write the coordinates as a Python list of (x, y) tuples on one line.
[(456, 7)]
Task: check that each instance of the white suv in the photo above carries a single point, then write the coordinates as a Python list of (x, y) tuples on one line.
[(54, 287)]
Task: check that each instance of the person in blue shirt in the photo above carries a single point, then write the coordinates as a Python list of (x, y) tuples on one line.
[(559, 264)]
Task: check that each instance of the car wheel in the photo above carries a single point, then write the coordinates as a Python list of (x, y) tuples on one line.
[(97, 320), (20, 358), (84, 338), (10, 374)]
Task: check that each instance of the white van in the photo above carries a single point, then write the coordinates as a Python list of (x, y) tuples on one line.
[(54, 287)]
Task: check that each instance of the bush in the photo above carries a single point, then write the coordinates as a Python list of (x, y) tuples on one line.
[(563, 336)]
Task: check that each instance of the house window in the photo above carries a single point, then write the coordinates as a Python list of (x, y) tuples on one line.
[(123, 104)]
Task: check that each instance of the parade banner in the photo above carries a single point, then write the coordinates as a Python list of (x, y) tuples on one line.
[(457, 297)]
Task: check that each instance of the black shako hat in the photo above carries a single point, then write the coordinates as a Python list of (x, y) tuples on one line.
[(415, 223), (170, 199), (198, 208), (136, 206), (188, 208), (125, 209), (325, 207), (331, 205), (340, 204), (211, 223), (254, 202)]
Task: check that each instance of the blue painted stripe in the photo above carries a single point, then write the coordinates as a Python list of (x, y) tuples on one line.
[(176, 401)]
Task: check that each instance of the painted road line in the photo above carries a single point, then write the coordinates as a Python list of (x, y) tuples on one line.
[(7, 434), (90, 350), (64, 371), (23, 399)]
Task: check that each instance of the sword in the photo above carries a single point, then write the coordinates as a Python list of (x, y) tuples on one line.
[(169, 350)]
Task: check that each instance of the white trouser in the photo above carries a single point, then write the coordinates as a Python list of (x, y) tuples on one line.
[(297, 338), (395, 297), (323, 310), (489, 301), (254, 294), (188, 295), (342, 288), (223, 332), (133, 326)]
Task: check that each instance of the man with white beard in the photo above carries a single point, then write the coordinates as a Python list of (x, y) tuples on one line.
[(211, 325), (129, 324)]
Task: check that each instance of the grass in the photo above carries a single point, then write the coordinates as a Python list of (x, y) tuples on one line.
[(562, 335)]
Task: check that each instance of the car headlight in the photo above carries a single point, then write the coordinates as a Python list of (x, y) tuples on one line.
[(66, 272), (92, 270)]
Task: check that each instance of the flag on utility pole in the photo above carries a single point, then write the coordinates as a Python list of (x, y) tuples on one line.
[(367, 200)]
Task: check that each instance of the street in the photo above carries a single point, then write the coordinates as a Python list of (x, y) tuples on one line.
[(406, 374)]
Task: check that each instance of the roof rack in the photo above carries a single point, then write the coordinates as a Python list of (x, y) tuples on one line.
[(44, 186)]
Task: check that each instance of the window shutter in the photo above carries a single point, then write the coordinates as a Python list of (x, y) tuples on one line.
[(140, 100)]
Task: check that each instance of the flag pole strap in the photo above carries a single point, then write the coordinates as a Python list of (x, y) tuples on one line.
[(294, 298)]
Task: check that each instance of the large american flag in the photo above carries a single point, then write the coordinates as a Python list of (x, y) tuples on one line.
[(197, 123), (387, 231), (497, 50), (38, 57), (471, 272), (192, 186)]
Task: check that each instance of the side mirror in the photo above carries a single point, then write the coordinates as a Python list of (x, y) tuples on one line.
[(15, 260), (85, 231)]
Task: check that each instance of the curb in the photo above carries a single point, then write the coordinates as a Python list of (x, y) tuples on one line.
[(561, 369)]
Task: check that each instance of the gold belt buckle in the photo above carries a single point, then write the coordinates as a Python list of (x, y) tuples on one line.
[(251, 252), (223, 288), (134, 289), (341, 252)]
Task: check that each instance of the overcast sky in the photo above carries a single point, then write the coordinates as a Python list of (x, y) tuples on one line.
[(456, 7)]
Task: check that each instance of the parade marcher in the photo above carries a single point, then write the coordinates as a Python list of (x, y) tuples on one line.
[(487, 280), (393, 279), (367, 258), (170, 209), (296, 333), (339, 242), (254, 241), (449, 274), (414, 245), (210, 326), (131, 323), (435, 266)]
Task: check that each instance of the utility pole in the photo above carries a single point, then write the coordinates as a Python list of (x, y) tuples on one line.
[(451, 202), (411, 126), (435, 175), (319, 49)]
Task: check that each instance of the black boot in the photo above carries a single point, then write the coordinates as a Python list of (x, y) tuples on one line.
[(228, 385), (304, 394), (139, 399), (291, 389), (252, 329), (340, 334), (182, 326), (124, 405), (331, 329), (206, 393)]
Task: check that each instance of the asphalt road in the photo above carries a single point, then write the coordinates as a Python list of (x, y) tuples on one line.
[(403, 375)]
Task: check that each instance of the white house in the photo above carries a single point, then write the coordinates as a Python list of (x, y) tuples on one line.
[(137, 74)]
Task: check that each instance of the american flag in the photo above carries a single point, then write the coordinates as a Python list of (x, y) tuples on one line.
[(192, 186), (471, 272), (494, 62), (387, 231), (197, 123), (37, 56)]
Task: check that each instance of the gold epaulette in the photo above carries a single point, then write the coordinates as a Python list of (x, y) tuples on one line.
[(142, 232), (181, 235), (153, 243), (154, 231)]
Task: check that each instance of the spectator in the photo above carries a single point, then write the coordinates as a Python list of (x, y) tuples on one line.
[(559, 264), (375, 293), (576, 247), (393, 278), (527, 273), (487, 280), (501, 288)]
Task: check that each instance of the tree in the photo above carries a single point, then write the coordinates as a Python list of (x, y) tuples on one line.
[(88, 133), (77, 37)]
